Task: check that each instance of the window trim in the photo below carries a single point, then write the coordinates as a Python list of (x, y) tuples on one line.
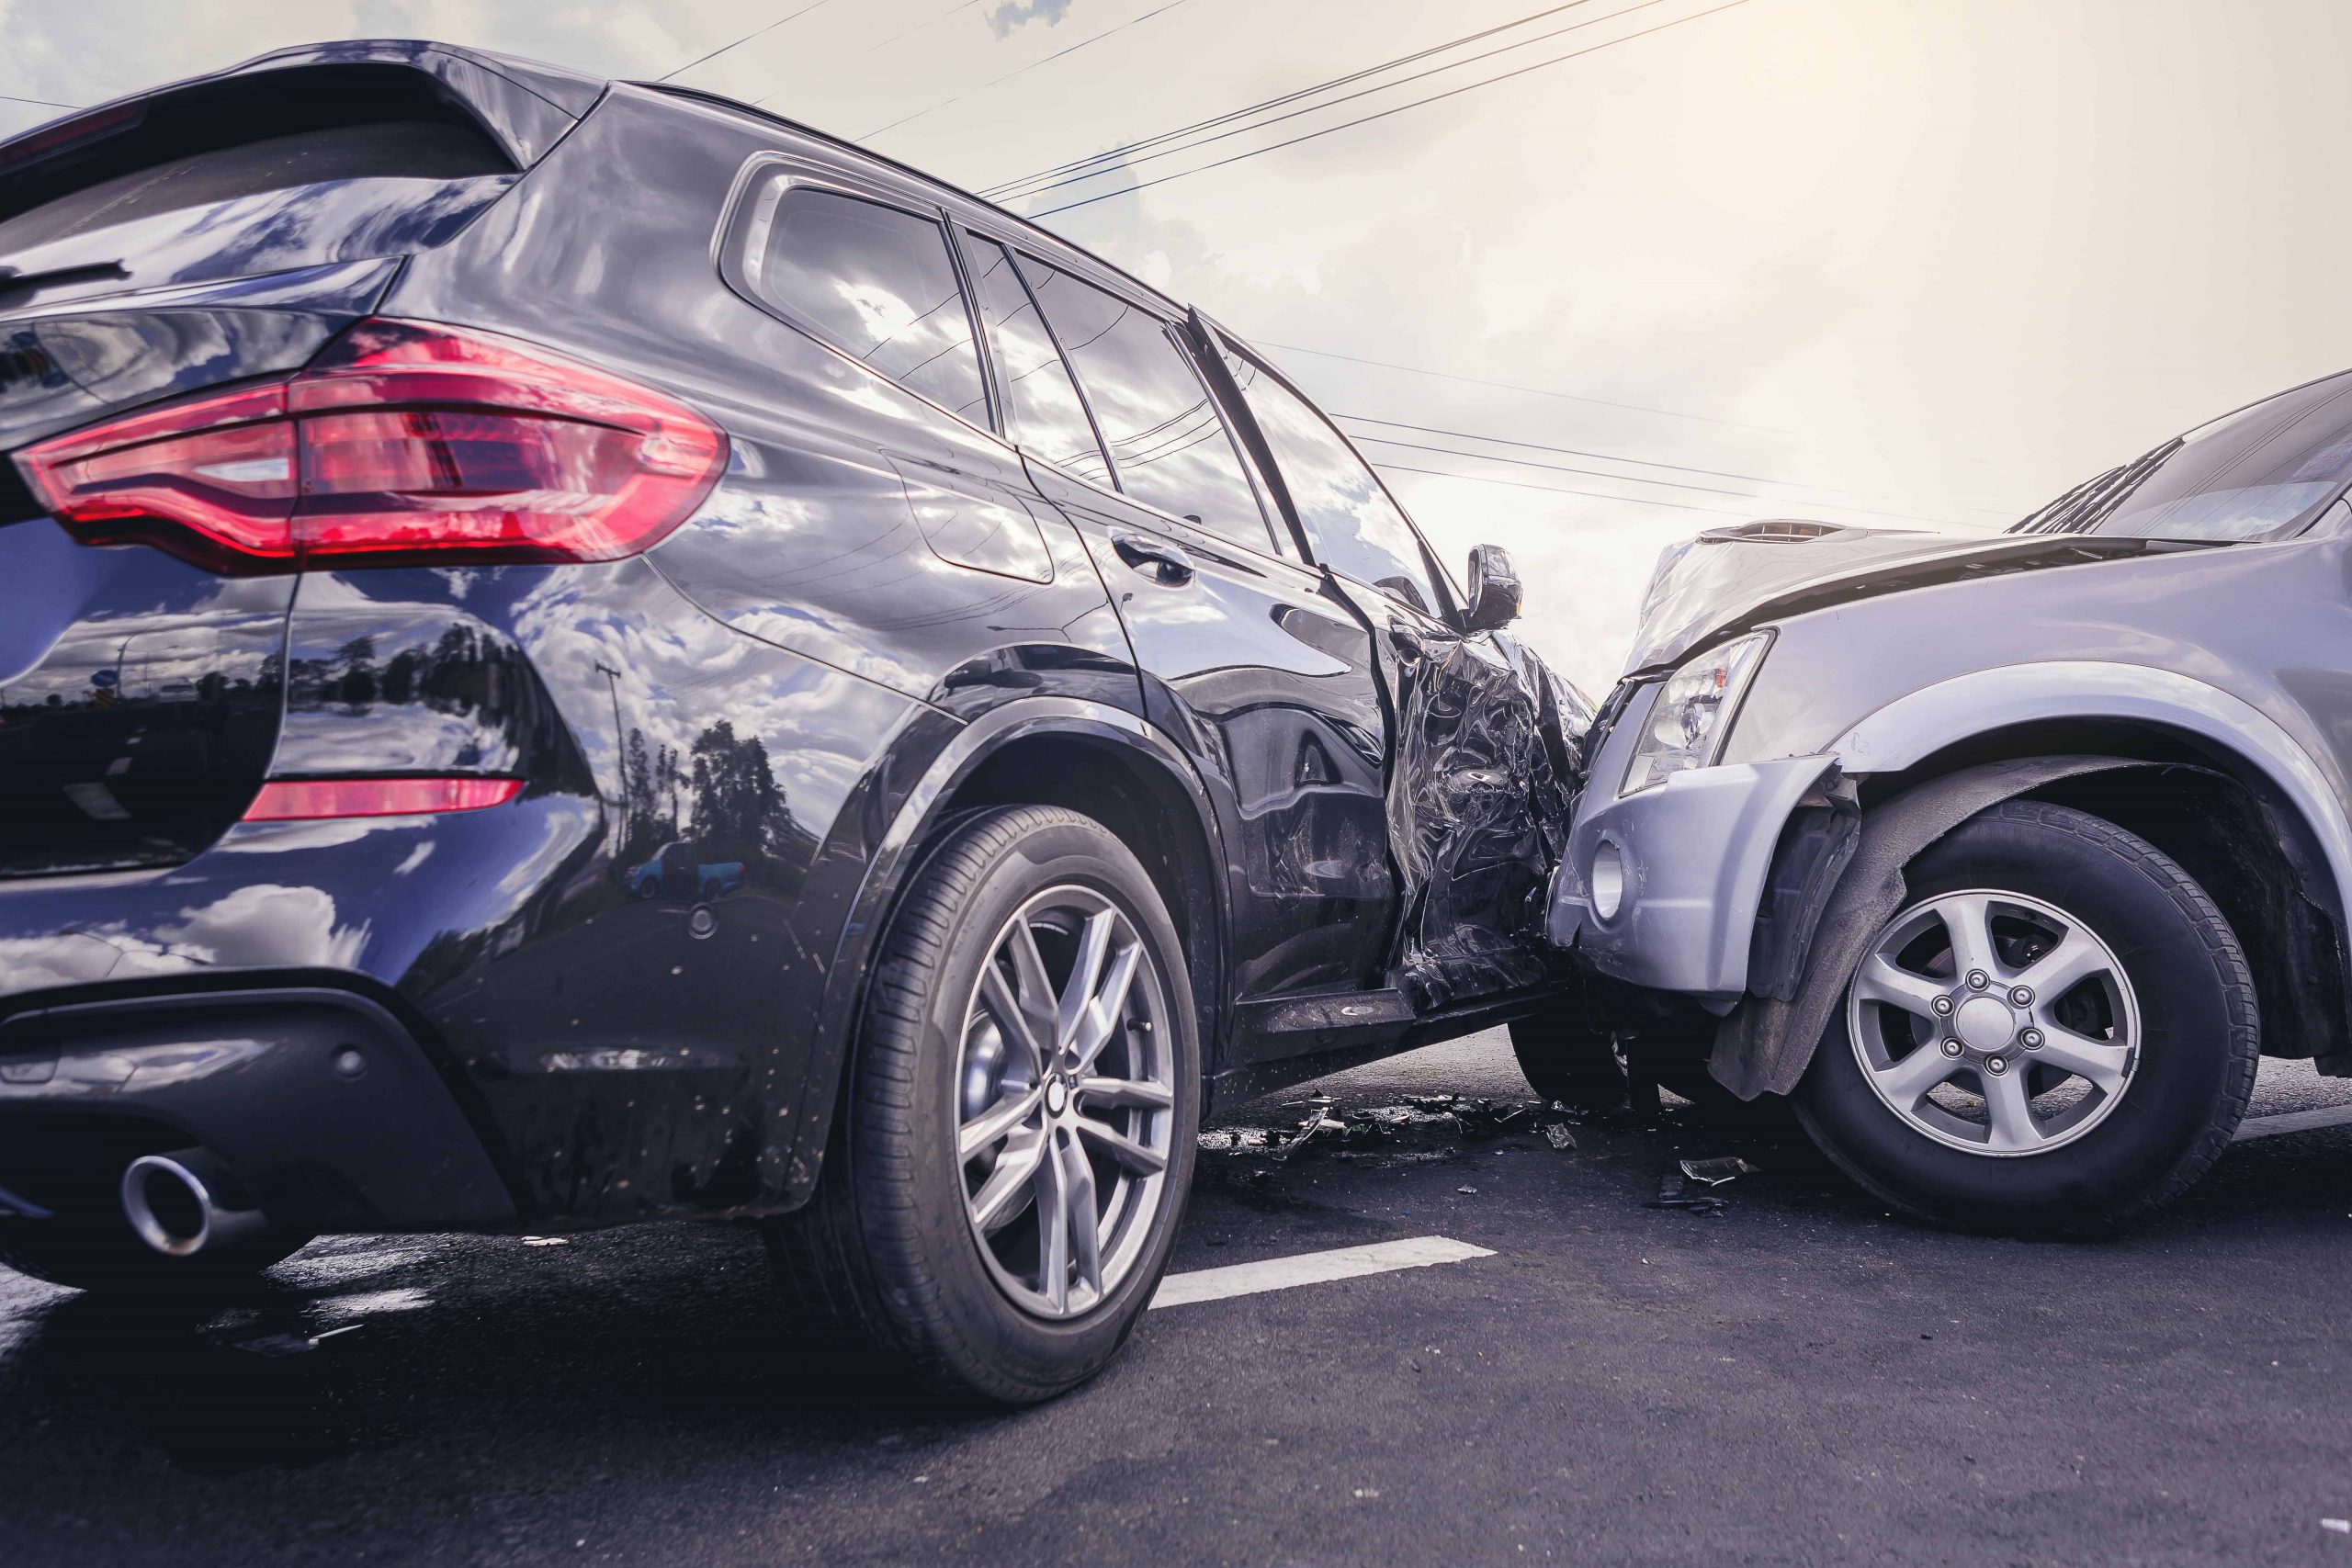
[(1069, 368), (739, 247), (1449, 610), (1169, 335), (1202, 340), (1179, 339)]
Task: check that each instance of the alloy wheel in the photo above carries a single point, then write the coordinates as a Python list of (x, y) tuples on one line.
[(1066, 1089), (1994, 1023)]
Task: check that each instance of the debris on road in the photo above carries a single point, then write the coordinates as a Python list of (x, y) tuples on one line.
[(1417, 1127), (1319, 1121), (1715, 1172), (1674, 1193), (278, 1346)]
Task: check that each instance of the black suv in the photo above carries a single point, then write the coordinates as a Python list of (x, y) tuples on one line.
[(575, 652)]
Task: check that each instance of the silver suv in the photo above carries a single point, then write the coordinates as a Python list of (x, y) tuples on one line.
[(2003, 859)]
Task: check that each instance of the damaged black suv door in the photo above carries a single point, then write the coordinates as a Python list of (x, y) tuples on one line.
[(1479, 780)]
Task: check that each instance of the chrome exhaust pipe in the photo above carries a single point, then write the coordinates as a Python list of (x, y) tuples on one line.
[(183, 1203)]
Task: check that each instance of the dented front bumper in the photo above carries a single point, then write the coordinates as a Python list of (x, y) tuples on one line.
[(1661, 888)]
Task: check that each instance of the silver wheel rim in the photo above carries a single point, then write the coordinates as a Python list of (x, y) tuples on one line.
[(1994, 1023), (1066, 1097)]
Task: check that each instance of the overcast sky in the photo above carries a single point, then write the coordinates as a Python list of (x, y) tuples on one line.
[(1933, 257)]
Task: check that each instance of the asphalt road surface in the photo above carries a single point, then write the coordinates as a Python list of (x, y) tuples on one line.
[(1792, 1378)]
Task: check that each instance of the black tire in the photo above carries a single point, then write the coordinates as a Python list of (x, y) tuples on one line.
[(1567, 1057), (102, 1255), (2199, 1040), (885, 1250)]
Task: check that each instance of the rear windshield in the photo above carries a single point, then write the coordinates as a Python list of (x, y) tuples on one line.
[(2268, 471), (239, 177), (394, 149)]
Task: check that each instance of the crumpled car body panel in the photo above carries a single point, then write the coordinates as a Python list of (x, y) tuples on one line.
[(1481, 793)]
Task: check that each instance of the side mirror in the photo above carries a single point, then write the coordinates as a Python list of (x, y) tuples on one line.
[(1493, 590)]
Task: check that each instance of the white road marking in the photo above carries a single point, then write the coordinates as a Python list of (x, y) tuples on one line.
[(1312, 1269), (2292, 1121)]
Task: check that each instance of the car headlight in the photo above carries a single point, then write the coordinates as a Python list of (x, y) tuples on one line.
[(1693, 712)]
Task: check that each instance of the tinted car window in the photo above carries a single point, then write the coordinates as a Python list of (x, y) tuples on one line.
[(1045, 414), (878, 282), (2263, 472), (1355, 529), (1168, 444)]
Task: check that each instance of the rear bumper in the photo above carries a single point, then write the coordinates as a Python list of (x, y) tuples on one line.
[(319, 1100), (1693, 858)]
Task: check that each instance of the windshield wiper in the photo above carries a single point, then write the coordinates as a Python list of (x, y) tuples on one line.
[(2092, 503)]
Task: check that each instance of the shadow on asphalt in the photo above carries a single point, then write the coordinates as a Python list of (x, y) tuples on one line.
[(369, 1345), (687, 1325)]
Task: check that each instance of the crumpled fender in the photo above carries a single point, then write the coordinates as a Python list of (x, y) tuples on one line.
[(1764, 1046)]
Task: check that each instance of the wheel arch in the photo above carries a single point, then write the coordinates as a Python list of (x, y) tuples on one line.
[(2200, 772), (2131, 711), (1099, 760), (2217, 805)]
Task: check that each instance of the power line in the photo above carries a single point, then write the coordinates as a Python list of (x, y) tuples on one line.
[(1620, 457), (1667, 484), (1563, 467), (998, 191), (1580, 452), (747, 38), (1343, 98), (1598, 495), (1032, 66), (1514, 386), (1560, 490), (919, 27), (45, 103), (1383, 114)]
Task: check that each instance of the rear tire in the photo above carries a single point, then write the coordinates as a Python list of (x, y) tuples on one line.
[(2161, 1016), (905, 1243)]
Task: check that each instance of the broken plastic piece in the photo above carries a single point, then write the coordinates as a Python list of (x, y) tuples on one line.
[(1715, 1172), (278, 1346), (1319, 1121), (1556, 1133), (21, 1208), (1674, 1193)]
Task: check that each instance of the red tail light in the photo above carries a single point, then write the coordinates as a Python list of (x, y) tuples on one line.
[(304, 800), (405, 442)]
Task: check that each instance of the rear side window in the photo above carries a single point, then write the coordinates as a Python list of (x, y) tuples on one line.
[(1354, 527), (1168, 442), (877, 284), (1046, 416)]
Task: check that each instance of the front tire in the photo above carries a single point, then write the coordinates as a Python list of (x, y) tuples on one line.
[(2055, 1035), (1568, 1058), (1016, 1140)]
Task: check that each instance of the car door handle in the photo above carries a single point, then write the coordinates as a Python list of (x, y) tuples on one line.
[(1407, 642), (1165, 563)]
